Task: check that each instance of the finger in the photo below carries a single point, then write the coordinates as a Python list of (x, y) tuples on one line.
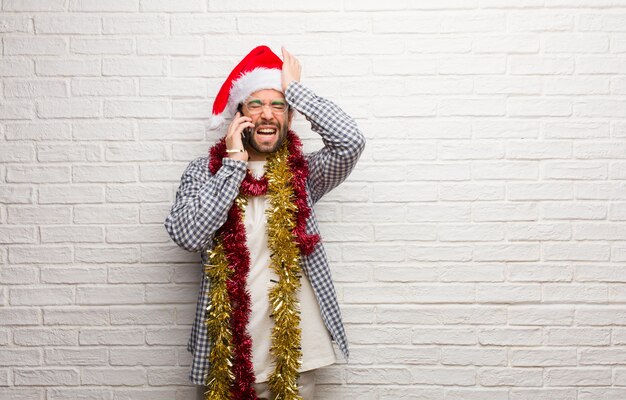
[(233, 128), (239, 127), (239, 120), (233, 132), (234, 118), (239, 115), (288, 57)]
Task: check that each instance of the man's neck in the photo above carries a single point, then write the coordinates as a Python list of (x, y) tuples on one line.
[(254, 155)]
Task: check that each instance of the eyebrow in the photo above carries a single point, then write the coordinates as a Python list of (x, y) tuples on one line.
[(257, 101)]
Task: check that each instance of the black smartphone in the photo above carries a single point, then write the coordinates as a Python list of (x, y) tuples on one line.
[(246, 134)]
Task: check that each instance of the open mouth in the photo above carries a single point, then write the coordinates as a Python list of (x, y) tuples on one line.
[(266, 131)]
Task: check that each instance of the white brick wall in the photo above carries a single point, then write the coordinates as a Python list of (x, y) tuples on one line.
[(478, 248)]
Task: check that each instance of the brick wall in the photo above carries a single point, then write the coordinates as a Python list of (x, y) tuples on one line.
[(479, 247)]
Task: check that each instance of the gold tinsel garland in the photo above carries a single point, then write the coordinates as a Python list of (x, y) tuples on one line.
[(220, 376), (285, 261)]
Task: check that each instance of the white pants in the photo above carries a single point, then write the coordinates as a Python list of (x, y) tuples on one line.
[(306, 386)]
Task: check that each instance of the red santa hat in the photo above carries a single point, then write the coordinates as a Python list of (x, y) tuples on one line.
[(260, 69)]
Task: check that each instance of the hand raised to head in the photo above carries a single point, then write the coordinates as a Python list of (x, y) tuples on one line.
[(291, 69)]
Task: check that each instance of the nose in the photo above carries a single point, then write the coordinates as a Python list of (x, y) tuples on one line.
[(267, 112)]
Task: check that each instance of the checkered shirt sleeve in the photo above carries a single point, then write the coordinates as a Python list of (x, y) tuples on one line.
[(202, 202), (343, 141)]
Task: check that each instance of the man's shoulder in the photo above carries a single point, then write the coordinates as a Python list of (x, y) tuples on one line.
[(200, 161), (198, 166)]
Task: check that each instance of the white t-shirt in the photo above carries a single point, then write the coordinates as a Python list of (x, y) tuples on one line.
[(317, 348)]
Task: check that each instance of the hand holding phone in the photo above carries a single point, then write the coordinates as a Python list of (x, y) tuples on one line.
[(235, 136)]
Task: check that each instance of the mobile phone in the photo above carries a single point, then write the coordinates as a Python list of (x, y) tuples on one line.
[(244, 133)]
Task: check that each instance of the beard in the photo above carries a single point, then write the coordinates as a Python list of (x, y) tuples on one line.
[(251, 139)]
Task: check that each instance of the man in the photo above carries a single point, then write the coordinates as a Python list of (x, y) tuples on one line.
[(267, 310)]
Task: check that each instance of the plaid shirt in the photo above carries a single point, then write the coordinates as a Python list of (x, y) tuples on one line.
[(202, 204)]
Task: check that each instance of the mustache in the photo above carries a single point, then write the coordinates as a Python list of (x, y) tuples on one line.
[(266, 123)]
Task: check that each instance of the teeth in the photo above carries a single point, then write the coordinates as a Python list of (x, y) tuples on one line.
[(266, 130)]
